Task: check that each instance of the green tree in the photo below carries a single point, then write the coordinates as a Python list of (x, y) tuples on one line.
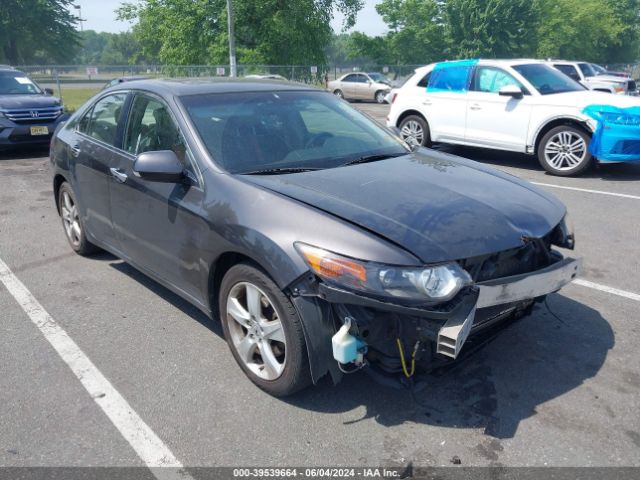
[(92, 45), (120, 49), (491, 28), (37, 30), (268, 31), (599, 31), (416, 31), (366, 49)]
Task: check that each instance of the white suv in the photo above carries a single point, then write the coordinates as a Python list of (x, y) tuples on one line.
[(517, 105), (587, 75)]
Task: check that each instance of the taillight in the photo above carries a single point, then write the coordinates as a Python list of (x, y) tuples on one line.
[(393, 98)]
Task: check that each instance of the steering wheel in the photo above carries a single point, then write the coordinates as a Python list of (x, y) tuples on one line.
[(544, 88), (318, 139)]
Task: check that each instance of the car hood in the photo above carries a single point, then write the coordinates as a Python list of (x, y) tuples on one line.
[(437, 206), (607, 78), (28, 101), (584, 98)]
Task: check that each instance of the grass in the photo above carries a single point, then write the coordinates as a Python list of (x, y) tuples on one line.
[(73, 98)]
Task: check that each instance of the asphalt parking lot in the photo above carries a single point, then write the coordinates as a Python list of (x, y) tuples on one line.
[(560, 388)]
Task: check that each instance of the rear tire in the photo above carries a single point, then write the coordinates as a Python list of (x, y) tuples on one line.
[(265, 336), (564, 151), (415, 131), (72, 222)]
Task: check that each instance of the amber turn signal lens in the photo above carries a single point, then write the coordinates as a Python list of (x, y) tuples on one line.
[(329, 265)]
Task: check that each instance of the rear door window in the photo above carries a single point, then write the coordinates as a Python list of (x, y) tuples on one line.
[(568, 70), (101, 122)]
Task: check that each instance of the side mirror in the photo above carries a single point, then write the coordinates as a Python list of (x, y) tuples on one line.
[(48, 91), (161, 166), (511, 91)]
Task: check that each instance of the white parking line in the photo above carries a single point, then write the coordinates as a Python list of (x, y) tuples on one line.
[(153, 452), (604, 288), (600, 192)]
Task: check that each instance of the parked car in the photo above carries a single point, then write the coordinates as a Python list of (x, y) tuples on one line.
[(516, 105), (268, 76), (322, 242), (28, 114), (118, 80), (593, 79), (600, 70), (361, 86)]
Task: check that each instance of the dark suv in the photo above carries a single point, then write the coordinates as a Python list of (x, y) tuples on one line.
[(28, 114)]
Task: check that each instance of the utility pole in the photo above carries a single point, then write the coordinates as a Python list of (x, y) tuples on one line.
[(232, 41), (80, 19)]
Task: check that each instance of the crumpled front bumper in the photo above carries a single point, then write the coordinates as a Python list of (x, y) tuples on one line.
[(454, 333), (448, 328)]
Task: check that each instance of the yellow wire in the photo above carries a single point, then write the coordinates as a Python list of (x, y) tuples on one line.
[(402, 361)]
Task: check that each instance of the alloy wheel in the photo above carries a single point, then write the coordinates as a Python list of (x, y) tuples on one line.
[(256, 331), (412, 133), (565, 150), (71, 219)]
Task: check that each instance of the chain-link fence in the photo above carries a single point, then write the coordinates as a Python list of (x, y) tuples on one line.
[(89, 78), (310, 74)]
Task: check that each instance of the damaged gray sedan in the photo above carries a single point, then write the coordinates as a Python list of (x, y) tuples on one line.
[(323, 243)]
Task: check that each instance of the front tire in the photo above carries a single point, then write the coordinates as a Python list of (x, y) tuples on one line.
[(72, 223), (415, 131), (564, 151), (379, 96), (338, 93), (263, 331)]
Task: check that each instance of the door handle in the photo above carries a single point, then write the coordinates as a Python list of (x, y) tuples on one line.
[(426, 102), (75, 150), (475, 106), (118, 174)]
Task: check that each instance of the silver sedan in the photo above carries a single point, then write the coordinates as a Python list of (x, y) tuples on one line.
[(361, 86)]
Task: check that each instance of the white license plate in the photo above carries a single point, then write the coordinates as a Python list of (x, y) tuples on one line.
[(39, 130)]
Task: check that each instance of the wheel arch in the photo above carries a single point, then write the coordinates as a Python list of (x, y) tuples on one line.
[(556, 122), (58, 180), (317, 322), (408, 113), (219, 269)]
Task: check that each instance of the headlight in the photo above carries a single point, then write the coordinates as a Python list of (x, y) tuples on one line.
[(433, 284), (563, 235)]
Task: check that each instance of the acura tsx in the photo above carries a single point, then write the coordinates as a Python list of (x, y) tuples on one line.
[(323, 242)]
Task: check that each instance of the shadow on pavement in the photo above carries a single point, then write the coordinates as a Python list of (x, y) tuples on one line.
[(500, 158), (531, 362), (24, 153), (175, 300)]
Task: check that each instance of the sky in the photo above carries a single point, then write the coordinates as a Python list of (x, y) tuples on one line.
[(99, 15)]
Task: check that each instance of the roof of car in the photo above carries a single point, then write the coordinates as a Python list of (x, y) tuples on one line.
[(493, 61), (187, 86)]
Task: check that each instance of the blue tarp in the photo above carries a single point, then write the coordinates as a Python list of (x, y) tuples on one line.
[(617, 135), (451, 76)]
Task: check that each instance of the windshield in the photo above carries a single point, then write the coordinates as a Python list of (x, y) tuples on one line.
[(547, 80), (378, 77), (587, 70), (598, 69), (15, 83), (257, 131)]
